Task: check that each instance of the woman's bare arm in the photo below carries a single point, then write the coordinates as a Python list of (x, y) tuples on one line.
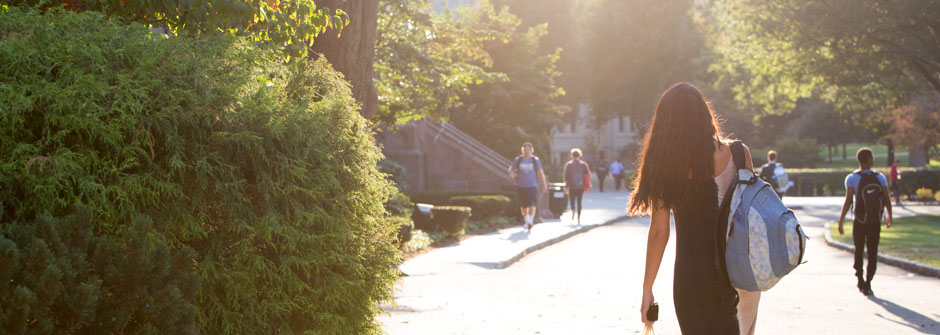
[(655, 247)]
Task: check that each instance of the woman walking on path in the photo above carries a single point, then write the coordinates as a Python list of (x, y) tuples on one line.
[(576, 174), (685, 166)]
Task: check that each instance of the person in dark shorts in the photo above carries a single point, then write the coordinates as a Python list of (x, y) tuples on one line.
[(526, 170), (601, 174), (575, 173), (869, 191)]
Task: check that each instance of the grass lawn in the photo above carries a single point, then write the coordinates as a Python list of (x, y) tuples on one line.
[(916, 238), (880, 151)]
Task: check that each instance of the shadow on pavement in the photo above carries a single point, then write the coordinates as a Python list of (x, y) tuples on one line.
[(485, 265), (518, 236), (917, 321)]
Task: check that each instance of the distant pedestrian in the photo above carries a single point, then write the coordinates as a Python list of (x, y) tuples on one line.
[(774, 174), (526, 170), (686, 166), (895, 179), (601, 172), (616, 171), (869, 190), (577, 176)]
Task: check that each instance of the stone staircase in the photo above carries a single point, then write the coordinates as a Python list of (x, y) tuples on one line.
[(489, 159)]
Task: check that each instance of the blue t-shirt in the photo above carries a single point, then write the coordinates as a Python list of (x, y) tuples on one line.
[(854, 178), (525, 172)]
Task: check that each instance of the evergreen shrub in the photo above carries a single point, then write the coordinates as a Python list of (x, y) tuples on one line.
[(833, 180), (798, 153), (396, 173), (450, 219), (202, 158), (442, 198), (915, 179), (405, 229), (57, 276), (482, 206)]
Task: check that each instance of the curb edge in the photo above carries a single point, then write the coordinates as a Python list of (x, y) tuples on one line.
[(506, 263), (918, 268)]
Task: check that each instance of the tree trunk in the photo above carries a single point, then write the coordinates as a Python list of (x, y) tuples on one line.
[(890, 152), (353, 52), (844, 155), (829, 146), (917, 156)]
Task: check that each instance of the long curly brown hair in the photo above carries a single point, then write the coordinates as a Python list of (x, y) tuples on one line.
[(677, 153)]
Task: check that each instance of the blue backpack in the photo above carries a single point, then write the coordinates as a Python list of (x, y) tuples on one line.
[(764, 241)]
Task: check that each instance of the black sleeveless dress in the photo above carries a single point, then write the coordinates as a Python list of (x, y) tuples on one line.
[(705, 301)]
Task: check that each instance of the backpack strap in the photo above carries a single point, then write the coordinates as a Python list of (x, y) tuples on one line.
[(724, 208), (737, 153), (740, 162)]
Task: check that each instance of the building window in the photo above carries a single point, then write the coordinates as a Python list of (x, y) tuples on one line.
[(574, 123), (620, 124)]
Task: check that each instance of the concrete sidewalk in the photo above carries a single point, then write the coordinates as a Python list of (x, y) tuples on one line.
[(591, 284), (499, 249)]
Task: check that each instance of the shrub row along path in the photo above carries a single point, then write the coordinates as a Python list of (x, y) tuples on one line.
[(591, 284)]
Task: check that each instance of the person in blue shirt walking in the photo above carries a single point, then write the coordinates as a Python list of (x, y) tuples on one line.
[(869, 191), (526, 170), (616, 171)]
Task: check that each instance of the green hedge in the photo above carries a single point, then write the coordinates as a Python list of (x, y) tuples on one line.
[(405, 229), (450, 219), (832, 181), (483, 206), (442, 198), (194, 157), (915, 179), (57, 276)]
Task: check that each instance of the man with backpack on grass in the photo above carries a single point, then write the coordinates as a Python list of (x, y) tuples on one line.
[(869, 190)]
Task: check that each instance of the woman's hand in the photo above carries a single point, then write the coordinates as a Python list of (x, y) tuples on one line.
[(648, 301), (566, 190)]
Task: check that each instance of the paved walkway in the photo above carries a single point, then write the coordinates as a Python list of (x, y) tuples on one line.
[(499, 249), (590, 284)]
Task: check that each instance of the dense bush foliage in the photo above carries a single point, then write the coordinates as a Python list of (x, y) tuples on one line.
[(833, 180), (395, 173), (442, 198), (482, 206), (195, 157), (798, 153), (450, 219), (292, 24), (919, 178), (56, 276), (405, 229)]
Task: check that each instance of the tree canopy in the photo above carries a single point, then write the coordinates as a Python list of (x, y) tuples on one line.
[(873, 53), (291, 23), (502, 114), (425, 61)]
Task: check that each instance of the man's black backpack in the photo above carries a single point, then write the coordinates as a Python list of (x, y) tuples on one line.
[(767, 174), (870, 201)]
